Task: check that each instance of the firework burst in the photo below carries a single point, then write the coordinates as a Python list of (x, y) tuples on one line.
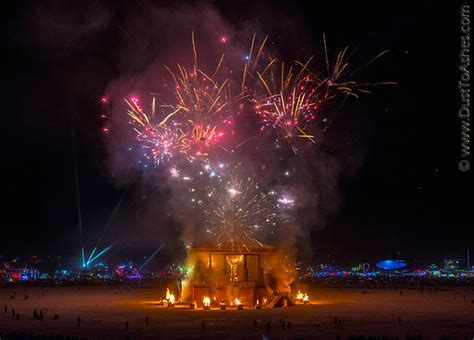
[(286, 97), (158, 142), (203, 105), (289, 97), (236, 210)]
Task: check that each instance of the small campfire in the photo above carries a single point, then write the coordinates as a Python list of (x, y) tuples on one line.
[(302, 297), (206, 302), (169, 299), (237, 303)]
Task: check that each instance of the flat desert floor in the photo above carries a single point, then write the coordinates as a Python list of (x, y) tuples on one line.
[(103, 312)]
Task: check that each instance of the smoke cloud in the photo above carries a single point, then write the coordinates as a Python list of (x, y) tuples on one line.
[(162, 36)]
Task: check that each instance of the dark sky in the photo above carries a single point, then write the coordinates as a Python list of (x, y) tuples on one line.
[(405, 197)]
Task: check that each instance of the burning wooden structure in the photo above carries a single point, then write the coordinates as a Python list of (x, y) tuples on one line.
[(228, 274)]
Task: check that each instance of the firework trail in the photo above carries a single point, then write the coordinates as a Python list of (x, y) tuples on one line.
[(341, 77)]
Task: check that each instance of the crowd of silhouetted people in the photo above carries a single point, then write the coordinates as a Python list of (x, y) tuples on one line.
[(66, 283), (391, 281), (36, 336)]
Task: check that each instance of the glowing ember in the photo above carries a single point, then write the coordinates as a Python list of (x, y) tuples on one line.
[(174, 172), (233, 191), (286, 201)]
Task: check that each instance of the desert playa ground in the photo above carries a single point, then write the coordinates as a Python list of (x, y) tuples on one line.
[(103, 312)]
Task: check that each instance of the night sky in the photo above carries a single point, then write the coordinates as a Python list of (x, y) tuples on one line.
[(401, 197)]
